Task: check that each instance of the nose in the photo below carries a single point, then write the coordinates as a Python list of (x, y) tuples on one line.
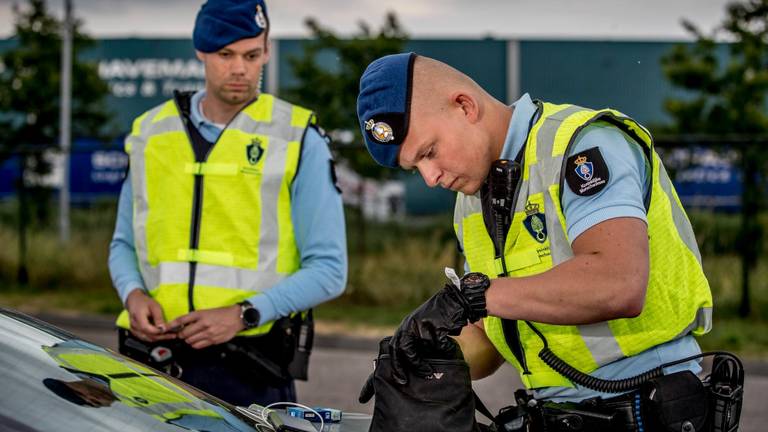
[(238, 65), (430, 173)]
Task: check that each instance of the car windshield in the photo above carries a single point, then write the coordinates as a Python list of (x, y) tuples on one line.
[(52, 380)]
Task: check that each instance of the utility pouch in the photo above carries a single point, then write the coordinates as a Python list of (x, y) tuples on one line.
[(726, 392), (566, 417), (441, 402), (159, 355), (304, 335), (278, 356), (676, 403)]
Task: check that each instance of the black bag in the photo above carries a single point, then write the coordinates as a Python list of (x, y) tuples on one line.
[(676, 402), (442, 402)]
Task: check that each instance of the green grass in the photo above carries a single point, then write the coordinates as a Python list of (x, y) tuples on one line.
[(749, 337), (397, 269), (98, 302)]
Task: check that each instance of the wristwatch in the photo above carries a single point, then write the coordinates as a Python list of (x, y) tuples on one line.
[(249, 315), (473, 287)]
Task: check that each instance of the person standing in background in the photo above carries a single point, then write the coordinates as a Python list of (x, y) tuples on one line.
[(230, 225)]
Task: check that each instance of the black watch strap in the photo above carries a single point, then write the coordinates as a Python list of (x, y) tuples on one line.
[(473, 288)]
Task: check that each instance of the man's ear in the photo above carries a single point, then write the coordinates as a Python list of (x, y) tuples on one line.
[(200, 56), (468, 105)]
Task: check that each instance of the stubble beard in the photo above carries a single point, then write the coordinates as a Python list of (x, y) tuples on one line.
[(236, 98)]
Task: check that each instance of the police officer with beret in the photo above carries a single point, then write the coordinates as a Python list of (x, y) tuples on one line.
[(568, 221), (220, 245)]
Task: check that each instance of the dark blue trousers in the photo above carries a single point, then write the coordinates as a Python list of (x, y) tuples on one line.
[(236, 387)]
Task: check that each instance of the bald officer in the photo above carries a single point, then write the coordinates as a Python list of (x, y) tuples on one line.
[(570, 227)]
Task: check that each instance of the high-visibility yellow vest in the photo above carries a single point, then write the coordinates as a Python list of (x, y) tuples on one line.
[(678, 299), (133, 384), (236, 203)]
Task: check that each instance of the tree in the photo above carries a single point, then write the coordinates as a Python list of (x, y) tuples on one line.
[(30, 79), (727, 98), (332, 91), (29, 99)]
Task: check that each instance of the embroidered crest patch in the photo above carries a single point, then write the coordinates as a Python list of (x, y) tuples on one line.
[(254, 151), (535, 222), (586, 172)]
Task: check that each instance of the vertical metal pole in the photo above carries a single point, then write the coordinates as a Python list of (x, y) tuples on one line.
[(65, 119), (513, 70)]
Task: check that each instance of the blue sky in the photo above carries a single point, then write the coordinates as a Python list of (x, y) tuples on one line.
[(539, 19)]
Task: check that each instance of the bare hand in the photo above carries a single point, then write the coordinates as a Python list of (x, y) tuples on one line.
[(146, 317), (203, 328)]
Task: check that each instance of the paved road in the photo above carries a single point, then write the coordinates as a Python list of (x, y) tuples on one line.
[(340, 366)]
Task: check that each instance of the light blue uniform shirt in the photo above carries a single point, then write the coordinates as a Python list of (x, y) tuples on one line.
[(622, 197), (318, 223)]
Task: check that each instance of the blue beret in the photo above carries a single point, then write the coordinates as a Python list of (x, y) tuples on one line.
[(221, 22), (384, 104)]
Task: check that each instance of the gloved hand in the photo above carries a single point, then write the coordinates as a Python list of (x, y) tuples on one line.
[(425, 332), (441, 402), (384, 359)]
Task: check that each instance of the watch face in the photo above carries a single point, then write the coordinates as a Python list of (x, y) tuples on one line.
[(251, 317), (474, 279)]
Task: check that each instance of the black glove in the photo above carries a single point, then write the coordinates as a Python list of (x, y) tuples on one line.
[(425, 332)]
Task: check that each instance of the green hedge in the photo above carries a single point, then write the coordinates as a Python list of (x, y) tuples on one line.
[(398, 266)]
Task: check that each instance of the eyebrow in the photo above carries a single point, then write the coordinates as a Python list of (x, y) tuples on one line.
[(258, 50), (420, 154)]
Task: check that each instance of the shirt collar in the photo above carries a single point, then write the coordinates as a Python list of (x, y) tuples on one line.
[(196, 115), (524, 109)]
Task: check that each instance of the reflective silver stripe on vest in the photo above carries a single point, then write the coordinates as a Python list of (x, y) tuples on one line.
[(280, 133), (459, 211), (218, 276), (678, 216), (703, 320), (600, 342), (545, 173), (149, 275), (465, 206)]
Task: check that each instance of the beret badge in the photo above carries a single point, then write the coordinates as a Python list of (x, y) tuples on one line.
[(380, 131), (260, 19)]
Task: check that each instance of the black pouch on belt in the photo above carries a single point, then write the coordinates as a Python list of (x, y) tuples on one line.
[(303, 325), (278, 356), (159, 355), (442, 402), (676, 402)]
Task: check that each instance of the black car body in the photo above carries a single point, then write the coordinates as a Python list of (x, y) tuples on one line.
[(51, 380)]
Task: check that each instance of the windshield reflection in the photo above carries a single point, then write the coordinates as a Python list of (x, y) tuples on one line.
[(104, 378), (54, 381)]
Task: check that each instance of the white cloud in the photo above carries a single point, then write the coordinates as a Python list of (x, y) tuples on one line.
[(590, 19)]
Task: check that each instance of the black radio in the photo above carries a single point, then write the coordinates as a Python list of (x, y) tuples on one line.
[(501, 185)]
